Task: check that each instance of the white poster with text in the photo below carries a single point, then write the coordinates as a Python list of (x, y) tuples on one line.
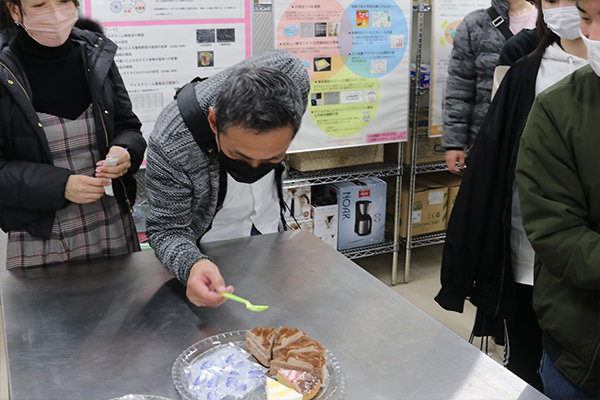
[(356, 54), (165, 44)]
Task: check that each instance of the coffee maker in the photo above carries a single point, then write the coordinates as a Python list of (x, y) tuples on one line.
[(363, 221), (295, 205)]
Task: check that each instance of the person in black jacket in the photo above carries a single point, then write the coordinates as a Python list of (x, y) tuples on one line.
[(487, 257), (64, 112)]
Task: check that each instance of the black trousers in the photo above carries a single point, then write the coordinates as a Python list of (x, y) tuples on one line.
[(524, 350)]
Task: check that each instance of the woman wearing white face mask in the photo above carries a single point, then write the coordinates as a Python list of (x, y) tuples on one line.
[(500, 272), (63, 111)]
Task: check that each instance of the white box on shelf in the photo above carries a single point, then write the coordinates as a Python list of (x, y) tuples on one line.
[(303, 224), (325, 223), (361, 212)]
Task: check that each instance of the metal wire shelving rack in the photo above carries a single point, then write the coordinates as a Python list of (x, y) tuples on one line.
[(387, 169), (296, 178)]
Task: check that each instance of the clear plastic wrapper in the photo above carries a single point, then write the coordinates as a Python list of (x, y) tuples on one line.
[(226, 372)]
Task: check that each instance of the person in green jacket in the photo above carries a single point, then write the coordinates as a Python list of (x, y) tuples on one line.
[(559, 185)]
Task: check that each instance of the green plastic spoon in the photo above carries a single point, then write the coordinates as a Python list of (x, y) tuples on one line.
[(249, 305)]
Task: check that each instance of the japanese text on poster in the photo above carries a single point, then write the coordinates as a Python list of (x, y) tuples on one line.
[(356, 56), (165, 44)]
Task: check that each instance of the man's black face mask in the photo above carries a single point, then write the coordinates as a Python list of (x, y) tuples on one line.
[(242, 172)]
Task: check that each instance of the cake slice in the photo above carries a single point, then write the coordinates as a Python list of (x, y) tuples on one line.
[(277, 391), (284, 337), (303, 382), (259, 342), (303, 354)]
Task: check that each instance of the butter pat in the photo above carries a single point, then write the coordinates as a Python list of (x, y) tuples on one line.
[(276, 390)]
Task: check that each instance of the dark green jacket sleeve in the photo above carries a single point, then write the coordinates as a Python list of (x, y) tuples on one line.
[(553, 203)]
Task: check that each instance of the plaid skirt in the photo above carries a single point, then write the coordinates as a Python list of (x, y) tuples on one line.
[(80, 231)]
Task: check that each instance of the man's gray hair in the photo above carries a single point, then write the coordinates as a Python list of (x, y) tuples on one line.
[(261, 99)]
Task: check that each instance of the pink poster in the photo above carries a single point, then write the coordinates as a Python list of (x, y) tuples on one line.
[(163, 45)]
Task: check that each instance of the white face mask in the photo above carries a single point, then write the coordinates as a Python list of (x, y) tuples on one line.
[(564, 21), (593, 52)]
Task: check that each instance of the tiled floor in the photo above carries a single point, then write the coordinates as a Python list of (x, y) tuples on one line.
[(422, 287)]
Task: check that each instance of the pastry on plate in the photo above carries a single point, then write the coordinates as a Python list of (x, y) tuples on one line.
[(288, 349), (277, 391), (259, 341), (284, 337), (302, 382)]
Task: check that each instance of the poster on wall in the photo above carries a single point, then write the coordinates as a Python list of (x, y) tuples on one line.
[(357, 57), (165, 44), (447, 15)]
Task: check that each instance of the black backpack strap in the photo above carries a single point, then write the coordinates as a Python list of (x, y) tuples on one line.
[(195, 120), (500, 23), (279, 182), (193, 116)]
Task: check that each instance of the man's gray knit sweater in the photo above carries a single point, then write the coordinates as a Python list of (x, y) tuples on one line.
[(182, 179)]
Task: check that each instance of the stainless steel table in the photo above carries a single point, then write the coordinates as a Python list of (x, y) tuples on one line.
[(107, 328)]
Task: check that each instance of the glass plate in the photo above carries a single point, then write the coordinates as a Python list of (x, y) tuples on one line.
[(334, 389), (140, 397)]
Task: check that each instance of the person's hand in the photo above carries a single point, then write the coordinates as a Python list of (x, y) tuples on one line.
[(205, 283), (82, 189), (453, 157), (119, 169)]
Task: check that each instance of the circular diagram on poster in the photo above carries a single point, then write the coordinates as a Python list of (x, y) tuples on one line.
[(116, 7), (313, 32), (345, 104), (450, 31), (380, 37), (140, 7)]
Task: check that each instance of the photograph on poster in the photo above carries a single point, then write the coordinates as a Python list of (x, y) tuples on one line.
[(306, 29), (362, 18), (205, 35), (382, 19), (330, 98), (352, 96), (334, 28), (206, 59), (316, 99), (225, 35), (323, 64), (378, 66), (396, 41), (371, 95), (320, 29)]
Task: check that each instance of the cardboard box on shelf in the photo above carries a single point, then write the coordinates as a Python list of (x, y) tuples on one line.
[(452, 193), (334, 158), (297, 203), (429, 212), (361, 212), (452, 182), (428, 149)]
